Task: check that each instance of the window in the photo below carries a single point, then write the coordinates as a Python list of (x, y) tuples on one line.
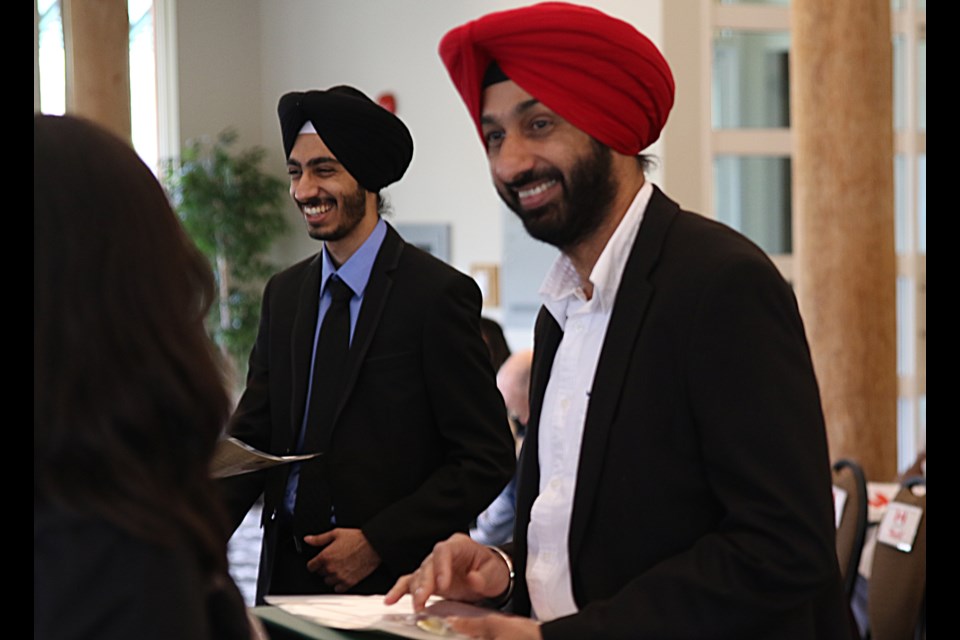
[(750, 119), (750, 149), (144, 111), (51, 62)]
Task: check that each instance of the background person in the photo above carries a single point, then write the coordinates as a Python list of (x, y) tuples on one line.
[(129, 536), (495, 340)]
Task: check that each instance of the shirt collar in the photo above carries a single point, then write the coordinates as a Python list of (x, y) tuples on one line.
[(562, 283), (355, 272)]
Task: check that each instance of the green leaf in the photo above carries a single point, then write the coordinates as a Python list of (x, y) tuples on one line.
[(233, 211)]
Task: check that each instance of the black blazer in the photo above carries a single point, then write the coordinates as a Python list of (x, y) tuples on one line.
[(703, 506), (420, 442)]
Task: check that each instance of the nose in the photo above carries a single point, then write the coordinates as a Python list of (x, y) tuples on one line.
[(512, 158), (304, 188)]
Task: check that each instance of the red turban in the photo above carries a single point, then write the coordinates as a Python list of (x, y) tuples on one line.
[(597, 72)]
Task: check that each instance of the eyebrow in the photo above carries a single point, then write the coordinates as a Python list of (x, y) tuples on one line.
[(313, 162), (522, 107)]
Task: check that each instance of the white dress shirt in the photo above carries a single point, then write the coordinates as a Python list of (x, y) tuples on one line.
[(584, 325)]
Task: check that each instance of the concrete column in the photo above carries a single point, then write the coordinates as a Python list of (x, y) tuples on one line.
[(845, 262), (96, 39)]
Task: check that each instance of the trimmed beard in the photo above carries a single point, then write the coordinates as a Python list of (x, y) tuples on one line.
[(587, 196), (352, 208)]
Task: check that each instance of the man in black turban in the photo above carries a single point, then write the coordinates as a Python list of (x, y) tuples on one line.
[(412, 432)]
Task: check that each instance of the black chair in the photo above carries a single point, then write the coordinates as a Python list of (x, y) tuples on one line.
[(848, 475), (896, 606)]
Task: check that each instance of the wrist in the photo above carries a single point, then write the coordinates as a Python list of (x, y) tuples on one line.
[(507, 593)]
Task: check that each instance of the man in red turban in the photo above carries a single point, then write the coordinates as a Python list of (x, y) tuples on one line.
[(675, 480), (600, 74)]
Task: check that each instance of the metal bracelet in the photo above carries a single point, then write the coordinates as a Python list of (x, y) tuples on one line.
[(504, 598)]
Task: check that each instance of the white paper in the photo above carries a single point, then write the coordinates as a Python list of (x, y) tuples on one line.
[(839, 500), (233, 457), (898, 528), (356, 612), (879, 495)]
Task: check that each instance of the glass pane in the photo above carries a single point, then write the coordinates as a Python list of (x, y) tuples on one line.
[(899, 79), (923, 421), (751, 86), (901, 221), (53, 93), (922, 84), (906, 326), (143, 82), (753, 196), (922, 203), (906, 433)]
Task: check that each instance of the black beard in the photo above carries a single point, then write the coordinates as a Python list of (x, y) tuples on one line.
[(352, 206), (585, 205)]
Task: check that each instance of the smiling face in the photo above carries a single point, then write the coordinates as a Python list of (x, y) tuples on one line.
[(556, 178), (335, 207)]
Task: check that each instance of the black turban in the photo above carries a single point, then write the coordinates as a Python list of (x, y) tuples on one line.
[(370, 142)]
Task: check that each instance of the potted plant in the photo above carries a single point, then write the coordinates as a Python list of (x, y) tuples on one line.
[(233, 210)]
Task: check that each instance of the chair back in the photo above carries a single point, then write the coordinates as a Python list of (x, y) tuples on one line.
[(851, 530), (898, 577)]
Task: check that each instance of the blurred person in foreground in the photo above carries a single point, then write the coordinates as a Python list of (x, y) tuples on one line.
[(675, 479), (128, 403)]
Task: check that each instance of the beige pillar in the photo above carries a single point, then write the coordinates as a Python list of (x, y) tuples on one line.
[(96, 38), (845, 262)]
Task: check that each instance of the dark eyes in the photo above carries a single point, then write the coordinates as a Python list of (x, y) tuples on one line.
[(493, 137), (534, 127)]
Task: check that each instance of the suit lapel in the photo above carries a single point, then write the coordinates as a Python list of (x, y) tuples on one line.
[(626, 322), (547, 337), (301, 341)]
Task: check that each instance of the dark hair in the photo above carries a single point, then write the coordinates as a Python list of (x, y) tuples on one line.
[(128, 391), (647, 162), (496, 342)]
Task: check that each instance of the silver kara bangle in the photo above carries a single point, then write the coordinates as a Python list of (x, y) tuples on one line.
[(504, 598)]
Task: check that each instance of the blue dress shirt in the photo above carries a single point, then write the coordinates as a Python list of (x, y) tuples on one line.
[(355, 273)]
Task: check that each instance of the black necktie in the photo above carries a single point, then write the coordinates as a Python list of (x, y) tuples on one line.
[(313, 507)]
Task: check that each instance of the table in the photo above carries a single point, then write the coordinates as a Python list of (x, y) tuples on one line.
[(286, 626)]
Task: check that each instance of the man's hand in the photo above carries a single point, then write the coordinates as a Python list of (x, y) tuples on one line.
[(497, 627), (346, 558), (458, 569)]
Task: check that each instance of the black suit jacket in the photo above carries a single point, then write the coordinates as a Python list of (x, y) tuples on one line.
[(703, 506), (420, 442)]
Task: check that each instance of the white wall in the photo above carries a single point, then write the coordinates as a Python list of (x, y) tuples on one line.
[(218, 67), (237, 57)]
